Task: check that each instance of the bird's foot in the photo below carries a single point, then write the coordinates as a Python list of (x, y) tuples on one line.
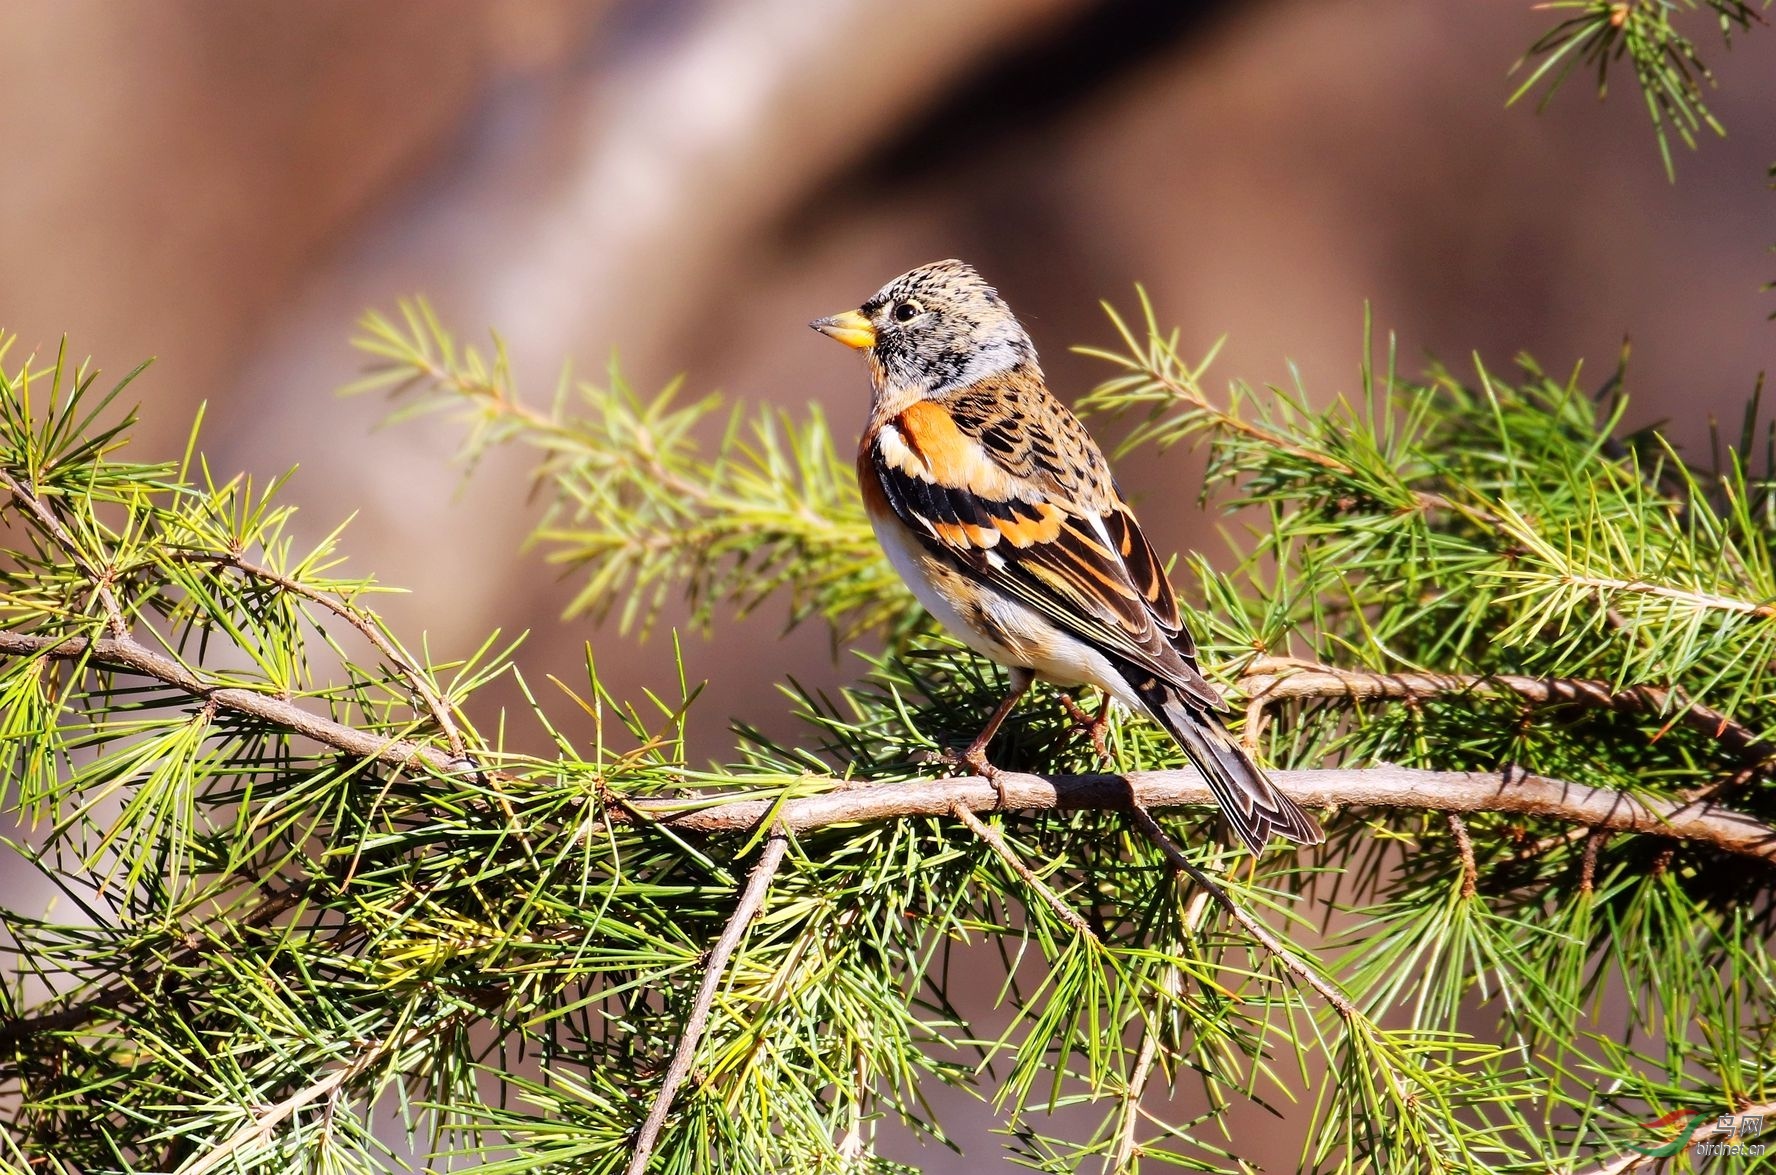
[(975, 760), (1093, 728)]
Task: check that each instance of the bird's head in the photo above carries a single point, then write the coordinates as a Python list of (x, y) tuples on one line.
[(933, 328)]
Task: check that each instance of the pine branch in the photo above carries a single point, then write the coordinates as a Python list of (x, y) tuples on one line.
[(1463, 792), (1122, 1152), (1666, 64), (1292, 684), (685, 1052), (1465, 843), (45, 514), (1596, 809), (995, 840), (1267, 681), (328, 1088), (638, 508), (1181, 863), (366, 626), (125, 654)]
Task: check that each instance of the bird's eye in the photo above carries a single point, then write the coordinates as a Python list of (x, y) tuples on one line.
[(906, 312)]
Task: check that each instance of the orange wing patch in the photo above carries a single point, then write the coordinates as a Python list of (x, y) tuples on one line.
[(1021, 532), (1028, 532), (956, 488), (950, 456), (961, 534)]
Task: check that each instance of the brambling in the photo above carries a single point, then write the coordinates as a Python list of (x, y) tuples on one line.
[(999, 511)]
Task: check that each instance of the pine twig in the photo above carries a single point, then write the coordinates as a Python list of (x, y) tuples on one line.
[(1270, 681), (14, 1032), (751, 899), (1708, 601), (264, 1122), (1124, 1149), (1448, 791), (45, 514), (1465, 844), (125, 654), (1258, 930), (1225, 419), (997, 843), (1588, 863), (410, 672)]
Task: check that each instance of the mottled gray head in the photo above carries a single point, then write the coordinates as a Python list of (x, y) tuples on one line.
[(934, 328)]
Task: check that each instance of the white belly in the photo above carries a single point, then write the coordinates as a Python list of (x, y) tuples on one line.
[(993, 624)]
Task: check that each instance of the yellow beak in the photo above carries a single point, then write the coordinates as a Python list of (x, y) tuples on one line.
[(849, 328)]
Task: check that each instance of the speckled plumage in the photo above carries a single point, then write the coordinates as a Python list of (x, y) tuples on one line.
[(998, 508)]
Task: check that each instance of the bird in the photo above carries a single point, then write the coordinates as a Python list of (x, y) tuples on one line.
[(997, 508)]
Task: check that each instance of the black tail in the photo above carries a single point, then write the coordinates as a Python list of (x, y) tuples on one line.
[(1251, 802)]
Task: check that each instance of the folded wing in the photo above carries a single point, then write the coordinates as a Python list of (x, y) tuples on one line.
[(1028, 519)]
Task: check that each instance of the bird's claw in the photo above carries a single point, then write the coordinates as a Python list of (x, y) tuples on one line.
[(975, 760), (1093, 728)]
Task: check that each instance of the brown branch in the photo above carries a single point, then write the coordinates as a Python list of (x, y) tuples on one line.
[(47, 517), (1382, 787), (751, 899), (125, 654), (1588, 863), (1377, 787), (1465, 843), (995, 841), (416, 680), (1276, 681), (1723, 784), (1537, 848), (1599, 809)]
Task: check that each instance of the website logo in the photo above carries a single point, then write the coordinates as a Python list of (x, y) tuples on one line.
[(1677, 1127)]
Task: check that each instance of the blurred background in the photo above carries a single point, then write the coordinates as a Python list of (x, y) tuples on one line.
[(684, 183)]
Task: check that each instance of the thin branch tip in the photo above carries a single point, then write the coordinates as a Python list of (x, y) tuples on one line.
[(752, 898)]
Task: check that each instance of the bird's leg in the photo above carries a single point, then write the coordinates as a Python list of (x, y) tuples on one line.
[(974, 755), (1094, 728)]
